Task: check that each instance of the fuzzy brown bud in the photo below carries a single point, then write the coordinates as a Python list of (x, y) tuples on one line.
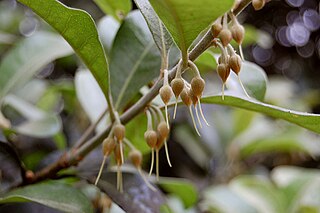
[(235, 63), (237, 32), (177, 86), (163, 129), (151, 138), (258, 4), (119, 131), (197, 86), (216, 29), (185, 97), (108, 146), (223, 71), (225, 36), (160, 141), (135, 157), (193, 97), (165, 93)]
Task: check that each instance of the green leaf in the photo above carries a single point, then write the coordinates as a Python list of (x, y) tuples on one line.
[(135, 130), (135, 60), (184, 189), (260, 193), (307, 120), (185, 19), (222, 199), (38, 124), (108, 28), (91, 97), (52, 194), (79, 30), (136, 196), (206, 62), (118, 9), (28, 57), (160, 34), (253, 78)]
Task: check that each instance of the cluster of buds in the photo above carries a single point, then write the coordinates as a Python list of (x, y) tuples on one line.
[(156, 136), (190, 93), (114, 143), (229, 59)]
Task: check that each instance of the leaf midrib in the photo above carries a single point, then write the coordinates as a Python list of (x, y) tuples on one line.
[(132, 73)]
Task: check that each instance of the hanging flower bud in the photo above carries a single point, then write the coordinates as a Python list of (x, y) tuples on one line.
[(119, 131), (216, 29), (223, 71), (225, 36), (235, 63), (177, 86), (258, 4), (165, 93), (185, 97), (163, 129), (193, 97), (197, 86), (108, 146), (237, 31), (136, 158), (117, 155), (151, 138)]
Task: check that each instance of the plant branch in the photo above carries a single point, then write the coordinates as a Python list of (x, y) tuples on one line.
[(74, 156)]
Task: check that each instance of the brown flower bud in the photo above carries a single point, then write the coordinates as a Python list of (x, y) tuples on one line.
[(237, 32), (165, 93), (197, 86), (258, 4), (177, 86), (185, 97), (151, 138), (225, 36), (117, 155), (163, 129), (193, 97), (223, 71), (119, 131), (108, 146), (135, 157), (235, 63), (216, 29)]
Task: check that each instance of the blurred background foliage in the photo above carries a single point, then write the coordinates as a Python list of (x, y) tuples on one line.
[(244, 162)]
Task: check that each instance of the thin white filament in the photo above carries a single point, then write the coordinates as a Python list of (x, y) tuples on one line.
[(101, 169), (194, 123), (167, 116), (242, 86), (201, 113), (197, 115), (167, 153), (121, 152), (146, 181), (223, 91), (175, 109), (152, 161), (157, 164)]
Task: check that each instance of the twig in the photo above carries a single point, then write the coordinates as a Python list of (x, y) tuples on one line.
[(75, 156)]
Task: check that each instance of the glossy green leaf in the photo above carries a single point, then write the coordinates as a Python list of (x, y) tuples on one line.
[(206, 62), (159, 32), (28, 57), (185, 19), (116, 8), (181, 188), (136, 196), (53, 194), (134, 59), (253, 78), (306, 120), (79, 30)]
